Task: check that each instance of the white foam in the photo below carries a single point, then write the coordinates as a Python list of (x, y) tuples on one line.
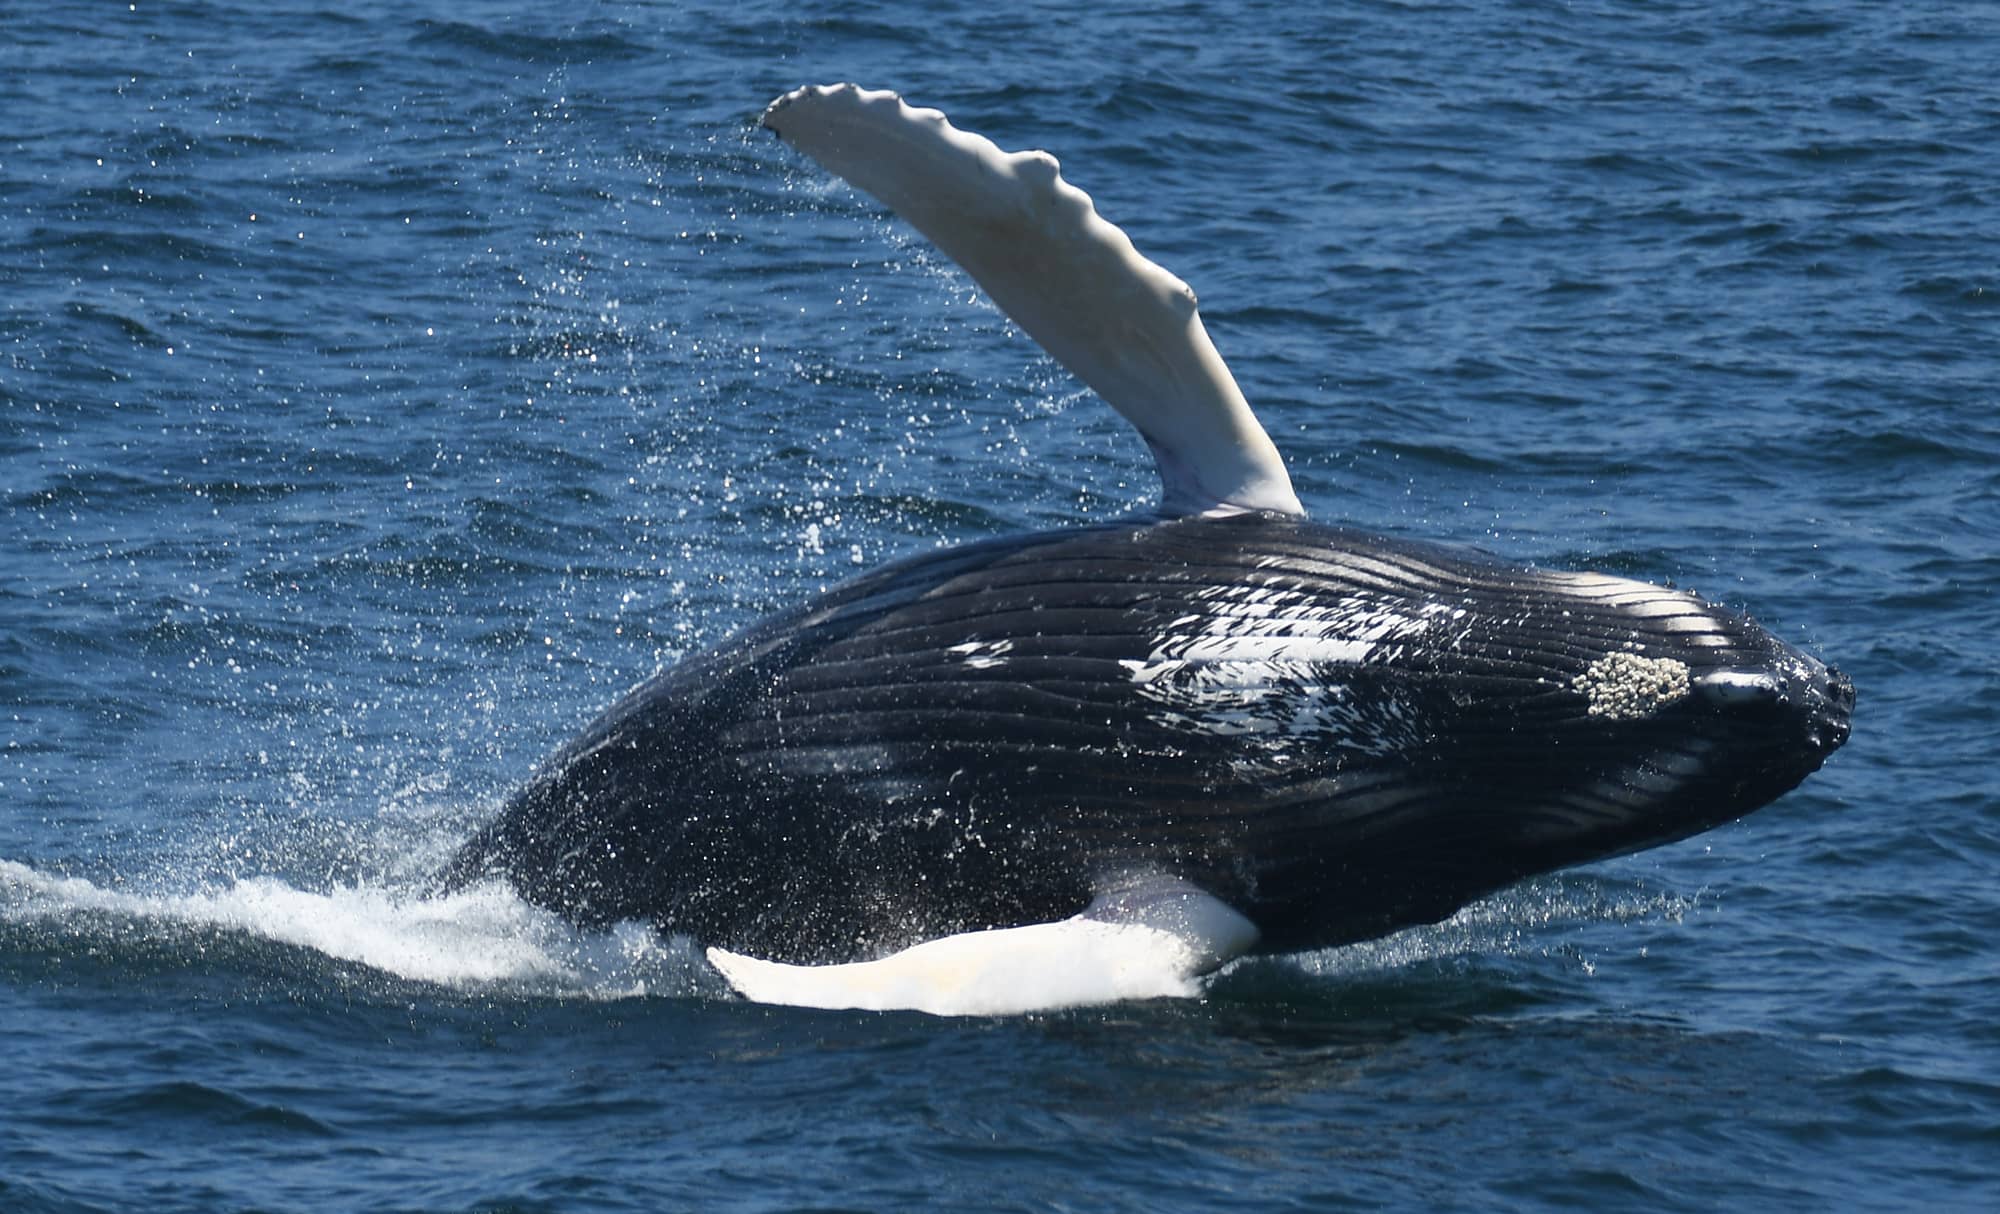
[(482, 936)]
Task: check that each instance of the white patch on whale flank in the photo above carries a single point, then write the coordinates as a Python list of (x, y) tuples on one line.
[(1253, 661), (1271, 627), (983, 655)]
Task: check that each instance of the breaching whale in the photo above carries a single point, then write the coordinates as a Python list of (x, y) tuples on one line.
[(1098, 762)]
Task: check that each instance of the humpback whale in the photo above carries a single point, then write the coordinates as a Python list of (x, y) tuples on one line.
[(1100, 762)]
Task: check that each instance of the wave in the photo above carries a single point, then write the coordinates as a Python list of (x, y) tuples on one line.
[(482, 938), (486, 939)]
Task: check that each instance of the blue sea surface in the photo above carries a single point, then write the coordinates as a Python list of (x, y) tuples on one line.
[(386, 387)]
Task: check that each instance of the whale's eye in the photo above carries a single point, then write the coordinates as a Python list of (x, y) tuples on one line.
[(1734, 688)]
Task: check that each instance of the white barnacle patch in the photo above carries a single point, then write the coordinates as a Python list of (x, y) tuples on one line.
[(982, 655), (1627, 687)]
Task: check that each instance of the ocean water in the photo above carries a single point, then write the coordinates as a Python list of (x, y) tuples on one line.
[(386, 387)]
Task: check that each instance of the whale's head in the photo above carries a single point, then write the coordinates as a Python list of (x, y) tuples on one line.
[(1659, 716), (1415, 727)]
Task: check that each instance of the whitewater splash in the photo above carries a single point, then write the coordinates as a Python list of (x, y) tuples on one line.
[(487, 938), (482, 937)]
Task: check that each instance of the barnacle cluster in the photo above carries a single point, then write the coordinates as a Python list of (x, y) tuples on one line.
[(1627, 687)]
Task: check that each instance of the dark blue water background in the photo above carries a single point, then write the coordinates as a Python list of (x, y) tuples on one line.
[(384, 387)]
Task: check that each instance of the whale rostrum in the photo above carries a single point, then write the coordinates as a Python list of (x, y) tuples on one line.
[(1099, 762)]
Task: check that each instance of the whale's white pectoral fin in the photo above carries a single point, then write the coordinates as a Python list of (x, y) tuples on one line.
[(1071, 279), (1145, 942)]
